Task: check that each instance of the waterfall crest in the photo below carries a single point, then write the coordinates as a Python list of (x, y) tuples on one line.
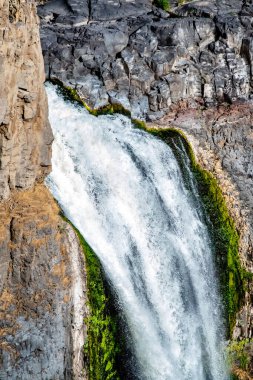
[(123, 189)]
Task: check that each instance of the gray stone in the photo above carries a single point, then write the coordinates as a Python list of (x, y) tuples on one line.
[(115, 41), (204, 53)]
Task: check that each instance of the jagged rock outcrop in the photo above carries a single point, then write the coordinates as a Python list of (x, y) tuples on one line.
[(42, 275), (147, 59)]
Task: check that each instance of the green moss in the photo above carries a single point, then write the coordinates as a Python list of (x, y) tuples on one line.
[(101, 349), (72, 94), (225, 237), (139, 123), (163, 4)]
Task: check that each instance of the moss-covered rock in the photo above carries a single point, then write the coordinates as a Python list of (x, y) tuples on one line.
[(239, 355), (101, 350), (163, 4), (72, 94)]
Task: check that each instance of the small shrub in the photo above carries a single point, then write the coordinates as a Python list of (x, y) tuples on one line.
[(237, 354)]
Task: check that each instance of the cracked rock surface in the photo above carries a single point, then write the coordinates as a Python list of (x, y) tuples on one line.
[(25, 134), (43, 294), (146, 59)]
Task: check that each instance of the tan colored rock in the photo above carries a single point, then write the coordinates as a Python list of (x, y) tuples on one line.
[(43, 291), (42, 278), (25, 134)]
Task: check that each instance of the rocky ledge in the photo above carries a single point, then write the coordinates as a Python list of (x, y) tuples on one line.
[(135, 54)]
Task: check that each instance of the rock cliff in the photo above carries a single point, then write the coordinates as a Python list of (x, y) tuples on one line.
[(148, 59), (42, 305), (42, 278), (189, 68), (26, 136)]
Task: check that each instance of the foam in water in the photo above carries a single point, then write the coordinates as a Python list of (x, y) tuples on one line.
[(123, 189)]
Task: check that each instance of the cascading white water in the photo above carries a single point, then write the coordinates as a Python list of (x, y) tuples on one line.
[(123, 189)]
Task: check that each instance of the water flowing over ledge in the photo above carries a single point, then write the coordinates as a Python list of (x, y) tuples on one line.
[(123, 189)]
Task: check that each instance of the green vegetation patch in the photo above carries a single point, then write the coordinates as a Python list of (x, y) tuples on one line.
[(239, 356), (72, 94), (101, 349), (163, 4), (225, 238)]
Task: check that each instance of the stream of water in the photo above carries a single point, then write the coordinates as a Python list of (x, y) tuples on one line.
[(123, 189)]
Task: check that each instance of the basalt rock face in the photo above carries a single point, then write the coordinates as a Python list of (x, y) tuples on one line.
[(148, 60), (42, 277)]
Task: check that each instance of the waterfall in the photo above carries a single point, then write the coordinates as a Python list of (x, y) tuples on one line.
[(123, 189)]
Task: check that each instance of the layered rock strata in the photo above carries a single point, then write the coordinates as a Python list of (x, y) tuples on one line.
[(26, 137), (42, 277)]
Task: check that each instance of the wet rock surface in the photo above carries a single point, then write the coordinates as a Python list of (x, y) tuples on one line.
[(150, 59)]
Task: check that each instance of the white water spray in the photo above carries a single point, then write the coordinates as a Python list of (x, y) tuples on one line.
[(123, 189)]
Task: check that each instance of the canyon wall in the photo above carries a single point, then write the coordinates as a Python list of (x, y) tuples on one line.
[(26, 136), (190, 68), (42, 277)]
